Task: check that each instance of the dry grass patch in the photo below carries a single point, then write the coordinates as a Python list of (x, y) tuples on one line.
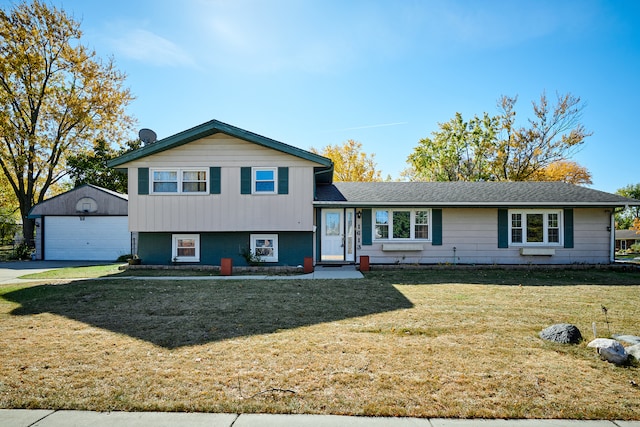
[(429, 344)]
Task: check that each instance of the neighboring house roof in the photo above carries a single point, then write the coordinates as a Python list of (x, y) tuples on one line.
[(627, 235), (472, 194), (212, 127), (65, 203)]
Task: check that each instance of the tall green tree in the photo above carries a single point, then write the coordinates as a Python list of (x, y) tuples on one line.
[(626, 218), (90, 167), (460, 151), (55, 96), (496, 148)]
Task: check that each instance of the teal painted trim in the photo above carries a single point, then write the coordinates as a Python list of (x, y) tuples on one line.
[(211, 128), (367, 228), (568, 228), (143, 181), (503, 228), (245, 180), (215, 181), (436, 238), (283, 180), (293, 247)]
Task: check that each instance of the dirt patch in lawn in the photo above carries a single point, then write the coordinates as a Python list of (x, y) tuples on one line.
[(395, 343)]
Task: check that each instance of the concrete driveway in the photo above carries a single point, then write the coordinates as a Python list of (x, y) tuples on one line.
[(10, 271)]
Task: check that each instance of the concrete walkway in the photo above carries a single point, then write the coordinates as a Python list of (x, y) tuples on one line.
[(47, 418), (320, 272), (11, 271)]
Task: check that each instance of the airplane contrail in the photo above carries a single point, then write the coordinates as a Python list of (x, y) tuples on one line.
[(372, 126)]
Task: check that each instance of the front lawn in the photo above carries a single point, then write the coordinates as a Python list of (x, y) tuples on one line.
[(430, 343)]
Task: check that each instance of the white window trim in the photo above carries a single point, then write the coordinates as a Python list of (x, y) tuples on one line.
[(179, 173), (273, 238), (412, 221), (174, 247), (545, 213), (254, 172)]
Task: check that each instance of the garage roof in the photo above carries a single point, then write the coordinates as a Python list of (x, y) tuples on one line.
[(107, 202)]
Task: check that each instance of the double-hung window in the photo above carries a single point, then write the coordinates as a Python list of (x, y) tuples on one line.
[(265, 180), (179, 181), (535, 227), (402, 224), (186, 248), (265, 247)]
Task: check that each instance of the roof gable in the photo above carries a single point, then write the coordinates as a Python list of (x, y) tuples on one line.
[(210, 128), (479, 194), (63, 204)]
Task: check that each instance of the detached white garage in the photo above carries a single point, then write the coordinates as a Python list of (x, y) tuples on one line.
[(88, 223)]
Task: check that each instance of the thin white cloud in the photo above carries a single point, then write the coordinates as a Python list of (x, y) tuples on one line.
[(152, 49), (327, 36)]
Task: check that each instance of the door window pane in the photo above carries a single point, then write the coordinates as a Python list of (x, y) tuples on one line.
[(333, 224)]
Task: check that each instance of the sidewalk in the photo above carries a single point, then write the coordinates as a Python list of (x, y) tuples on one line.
[(47, 418), (320, 272)]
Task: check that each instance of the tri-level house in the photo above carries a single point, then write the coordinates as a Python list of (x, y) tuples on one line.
[(216, 191)]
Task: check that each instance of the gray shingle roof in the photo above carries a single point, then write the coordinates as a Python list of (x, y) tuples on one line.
[(465, 194), (627, 235)]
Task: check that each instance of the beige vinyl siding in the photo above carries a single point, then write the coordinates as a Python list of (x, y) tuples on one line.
[(474, 234), (222, 150), (230, 210)]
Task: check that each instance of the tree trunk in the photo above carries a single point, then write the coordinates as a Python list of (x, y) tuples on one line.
[(28, 225)]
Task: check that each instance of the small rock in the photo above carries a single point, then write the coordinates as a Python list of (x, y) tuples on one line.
[(610, 350), (563, 333), (634, 351)]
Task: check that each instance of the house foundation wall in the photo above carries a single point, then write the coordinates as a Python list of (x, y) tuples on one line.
[(293, 247)]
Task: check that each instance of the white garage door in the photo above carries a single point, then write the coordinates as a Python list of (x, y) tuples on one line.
[(96, 238)]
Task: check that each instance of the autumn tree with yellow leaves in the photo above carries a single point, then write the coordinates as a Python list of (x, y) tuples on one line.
[(56, 97), (350, 162), (564, 171)]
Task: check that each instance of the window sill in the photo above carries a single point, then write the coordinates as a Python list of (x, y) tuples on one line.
[(401, 247), (538, 251)]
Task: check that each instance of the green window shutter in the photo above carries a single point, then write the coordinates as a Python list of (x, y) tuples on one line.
[(143, 181), (568, 228), (367, 233), (503, 228), (436, 218), (283, 180), (214, 180), (245, 180)]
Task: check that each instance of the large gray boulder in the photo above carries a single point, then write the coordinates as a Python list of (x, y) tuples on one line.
[(610, 350), (564, 333), (634, 351)]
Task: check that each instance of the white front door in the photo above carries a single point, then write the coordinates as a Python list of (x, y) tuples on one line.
[(332, 239)]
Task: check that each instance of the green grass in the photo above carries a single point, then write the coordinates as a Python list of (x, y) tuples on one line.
[(112, 270), (426, 343), (93, 271)]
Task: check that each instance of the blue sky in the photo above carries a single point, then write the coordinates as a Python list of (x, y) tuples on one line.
[(384, 73)]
